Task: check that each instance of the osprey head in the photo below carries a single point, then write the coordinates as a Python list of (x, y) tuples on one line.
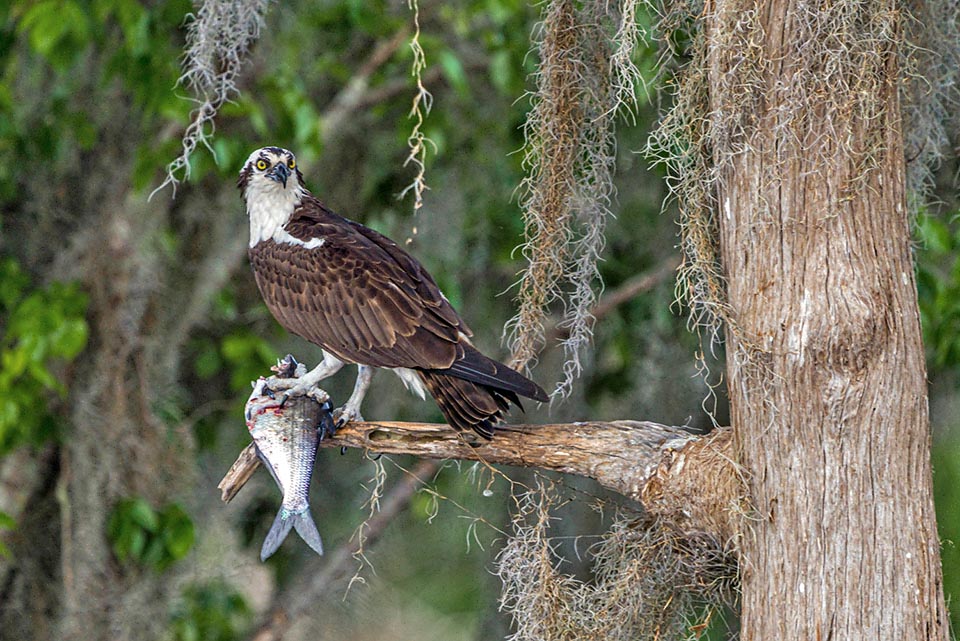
[(269, 171), (272, 188)]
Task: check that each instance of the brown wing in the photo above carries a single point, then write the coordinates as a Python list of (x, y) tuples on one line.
[(358, 295)]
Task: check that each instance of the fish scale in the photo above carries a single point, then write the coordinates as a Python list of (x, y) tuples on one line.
[(290, 455), (286, 439)]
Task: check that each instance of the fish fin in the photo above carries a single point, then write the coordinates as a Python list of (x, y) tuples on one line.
[(302, 522), (307, 530), (278, 532)]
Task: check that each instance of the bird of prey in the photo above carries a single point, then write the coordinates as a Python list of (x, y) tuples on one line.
[(365, 301)]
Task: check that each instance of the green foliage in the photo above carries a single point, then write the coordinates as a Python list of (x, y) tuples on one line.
[(57, 30), (938, 288), (142, 535), (41, 327), (6, 523), (210, 612), (59, 58), (248, 357), (946, 494)]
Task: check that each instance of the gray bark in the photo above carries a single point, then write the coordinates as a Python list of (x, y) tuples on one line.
[(825, 362)]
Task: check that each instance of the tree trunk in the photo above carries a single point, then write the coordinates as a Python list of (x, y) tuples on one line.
[(824, 355)]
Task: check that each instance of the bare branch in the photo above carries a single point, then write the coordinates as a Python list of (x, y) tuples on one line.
[(630, 289), (633, 287), (687, 478), (612, 453), (239, 473), (348, 99)]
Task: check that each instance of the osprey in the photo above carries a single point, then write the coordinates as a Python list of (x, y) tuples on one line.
[(365, 301)]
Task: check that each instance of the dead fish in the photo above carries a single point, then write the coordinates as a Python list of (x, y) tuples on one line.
[(286, 438)]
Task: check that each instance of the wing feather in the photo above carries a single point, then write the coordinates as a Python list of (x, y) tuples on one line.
[(357, 295)]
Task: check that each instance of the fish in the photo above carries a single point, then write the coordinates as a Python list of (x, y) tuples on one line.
[(286, 435)]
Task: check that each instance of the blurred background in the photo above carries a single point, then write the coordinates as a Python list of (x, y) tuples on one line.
[(131, 328)]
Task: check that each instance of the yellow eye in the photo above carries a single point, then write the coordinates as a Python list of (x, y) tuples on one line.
[(261, 164), (292, 164)]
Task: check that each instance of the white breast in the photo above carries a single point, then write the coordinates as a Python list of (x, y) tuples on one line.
[(269, 210)]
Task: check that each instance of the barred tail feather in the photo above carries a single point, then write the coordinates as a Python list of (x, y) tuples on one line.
[(467, 405)]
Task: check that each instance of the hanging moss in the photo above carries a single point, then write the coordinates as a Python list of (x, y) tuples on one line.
[(218, 39), (649, 582), (838, 78), (586, 76)]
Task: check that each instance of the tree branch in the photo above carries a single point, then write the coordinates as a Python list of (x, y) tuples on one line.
[(356, 91), (686, 478), (634, 286), (627, 291)]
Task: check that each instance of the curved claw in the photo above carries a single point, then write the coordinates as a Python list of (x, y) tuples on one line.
[(327, 427), (346, 415)]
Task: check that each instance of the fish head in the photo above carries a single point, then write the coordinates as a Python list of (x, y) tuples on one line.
[(262, 399)]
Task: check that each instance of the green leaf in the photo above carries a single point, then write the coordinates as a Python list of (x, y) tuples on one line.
[(9, 412), (135, 544), (454, 73), (207, 362), (178, 532), (57, 30), (43, 24), (71, 338), (934, 234), (14, 361), (43, 376), (236, 347), (12, 283), (502, 74), (140, 512), (134, 22), (154, 554)]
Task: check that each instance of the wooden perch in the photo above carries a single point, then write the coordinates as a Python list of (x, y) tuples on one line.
[(688, 479)]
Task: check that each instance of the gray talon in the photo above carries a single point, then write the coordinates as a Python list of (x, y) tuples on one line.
[(327, 426)]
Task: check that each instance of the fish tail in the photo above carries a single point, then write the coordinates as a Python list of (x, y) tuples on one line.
[(278, 532), (307, 530), (286, 521)]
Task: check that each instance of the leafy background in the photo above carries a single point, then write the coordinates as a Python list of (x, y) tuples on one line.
[(93, 271)]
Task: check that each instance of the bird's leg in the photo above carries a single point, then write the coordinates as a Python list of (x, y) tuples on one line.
[(351, 409), (306, 385)]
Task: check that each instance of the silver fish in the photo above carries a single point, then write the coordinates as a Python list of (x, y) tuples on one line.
[(286, 437)]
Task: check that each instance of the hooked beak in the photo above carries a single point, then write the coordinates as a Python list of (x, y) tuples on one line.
[(280, 173)]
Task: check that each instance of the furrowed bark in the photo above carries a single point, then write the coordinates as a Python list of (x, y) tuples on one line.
[(825, 363)]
